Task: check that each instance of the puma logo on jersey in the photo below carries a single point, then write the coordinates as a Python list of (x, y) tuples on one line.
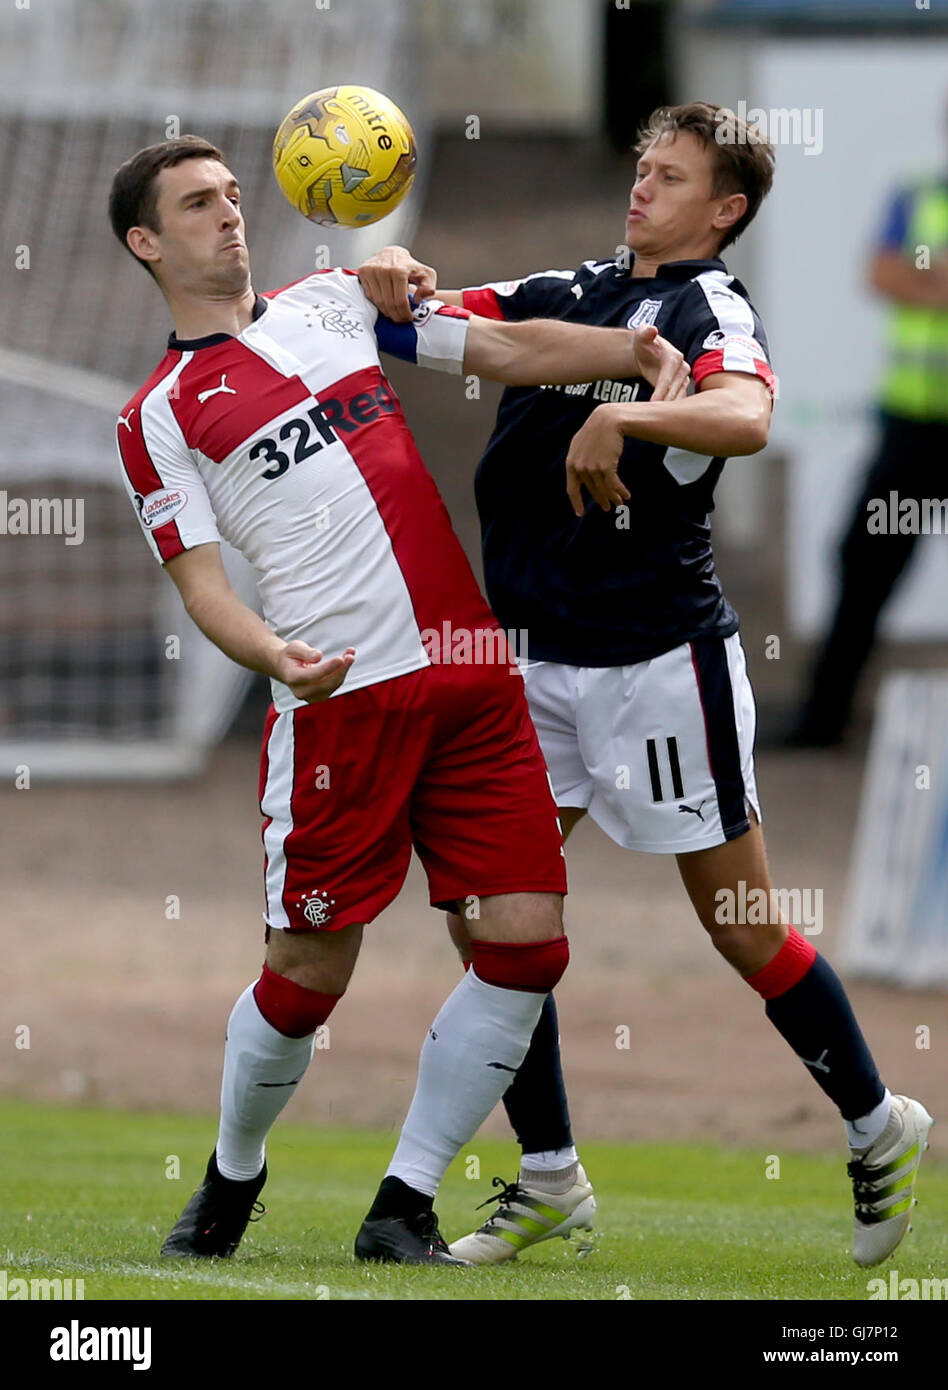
[(693, 810), (819, 1064), (216, 391), (124, 419)]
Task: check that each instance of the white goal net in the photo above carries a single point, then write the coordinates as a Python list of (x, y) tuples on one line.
[(102, 673)]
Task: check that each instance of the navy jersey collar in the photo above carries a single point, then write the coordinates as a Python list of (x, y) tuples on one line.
[(213, 339), (678, 270)]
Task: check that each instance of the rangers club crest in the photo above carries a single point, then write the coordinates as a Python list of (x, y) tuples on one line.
[(317, 908), (333, 321), (646, 314)]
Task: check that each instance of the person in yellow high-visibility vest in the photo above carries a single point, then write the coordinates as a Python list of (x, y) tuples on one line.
[(910, 268)]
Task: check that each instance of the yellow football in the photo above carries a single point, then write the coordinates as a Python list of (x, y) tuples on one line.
[(345, 156)]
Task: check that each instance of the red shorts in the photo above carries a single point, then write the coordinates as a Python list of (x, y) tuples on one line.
[(444, 759)]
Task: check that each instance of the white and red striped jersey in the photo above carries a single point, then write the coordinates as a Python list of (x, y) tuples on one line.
[(288, 442)]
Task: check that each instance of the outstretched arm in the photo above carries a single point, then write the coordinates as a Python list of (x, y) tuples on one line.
[(543, 352), (531, 352), (243, 636)]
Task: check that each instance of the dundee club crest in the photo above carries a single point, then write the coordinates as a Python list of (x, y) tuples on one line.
[(646, 314)]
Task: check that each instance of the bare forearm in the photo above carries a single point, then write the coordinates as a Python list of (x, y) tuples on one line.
[(545, 352), (237, 630), (706, 423), (561, 353), (228, 623), (730, 415)]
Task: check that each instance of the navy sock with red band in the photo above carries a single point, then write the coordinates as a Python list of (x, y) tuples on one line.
[(807, 1004)]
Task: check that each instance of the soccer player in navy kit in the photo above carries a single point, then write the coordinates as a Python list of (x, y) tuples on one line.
[(634, 673)]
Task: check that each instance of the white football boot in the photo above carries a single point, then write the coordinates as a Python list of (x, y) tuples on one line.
[(884, 1181), (525, 1216)]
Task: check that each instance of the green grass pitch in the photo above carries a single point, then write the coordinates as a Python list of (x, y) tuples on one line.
[(86, 1196)]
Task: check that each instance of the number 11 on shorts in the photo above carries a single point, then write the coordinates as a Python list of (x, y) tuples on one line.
[(655, 772)]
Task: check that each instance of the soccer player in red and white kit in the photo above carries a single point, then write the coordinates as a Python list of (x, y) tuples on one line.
[(269, 424), (636, 677)]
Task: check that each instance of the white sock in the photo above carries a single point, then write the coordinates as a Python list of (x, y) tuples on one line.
[(552, 1171), (552, 1168), (863, 1132), (458, 1085), (549, 1160), (261, 1069)]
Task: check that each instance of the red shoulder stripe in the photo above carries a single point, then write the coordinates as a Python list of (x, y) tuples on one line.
[(711, 362), (483, 302)]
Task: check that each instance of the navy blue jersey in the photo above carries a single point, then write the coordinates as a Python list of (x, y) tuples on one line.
[(609, 588)]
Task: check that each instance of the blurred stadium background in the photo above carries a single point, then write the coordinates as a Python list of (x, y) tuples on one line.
[(131, 854)]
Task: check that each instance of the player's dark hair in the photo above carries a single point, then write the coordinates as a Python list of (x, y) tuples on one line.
[(743, 161), (133, 200)]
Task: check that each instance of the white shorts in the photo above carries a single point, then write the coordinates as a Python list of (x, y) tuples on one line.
[(661, 753)]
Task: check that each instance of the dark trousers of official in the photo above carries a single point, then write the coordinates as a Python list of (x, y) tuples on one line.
[(912, 460)]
